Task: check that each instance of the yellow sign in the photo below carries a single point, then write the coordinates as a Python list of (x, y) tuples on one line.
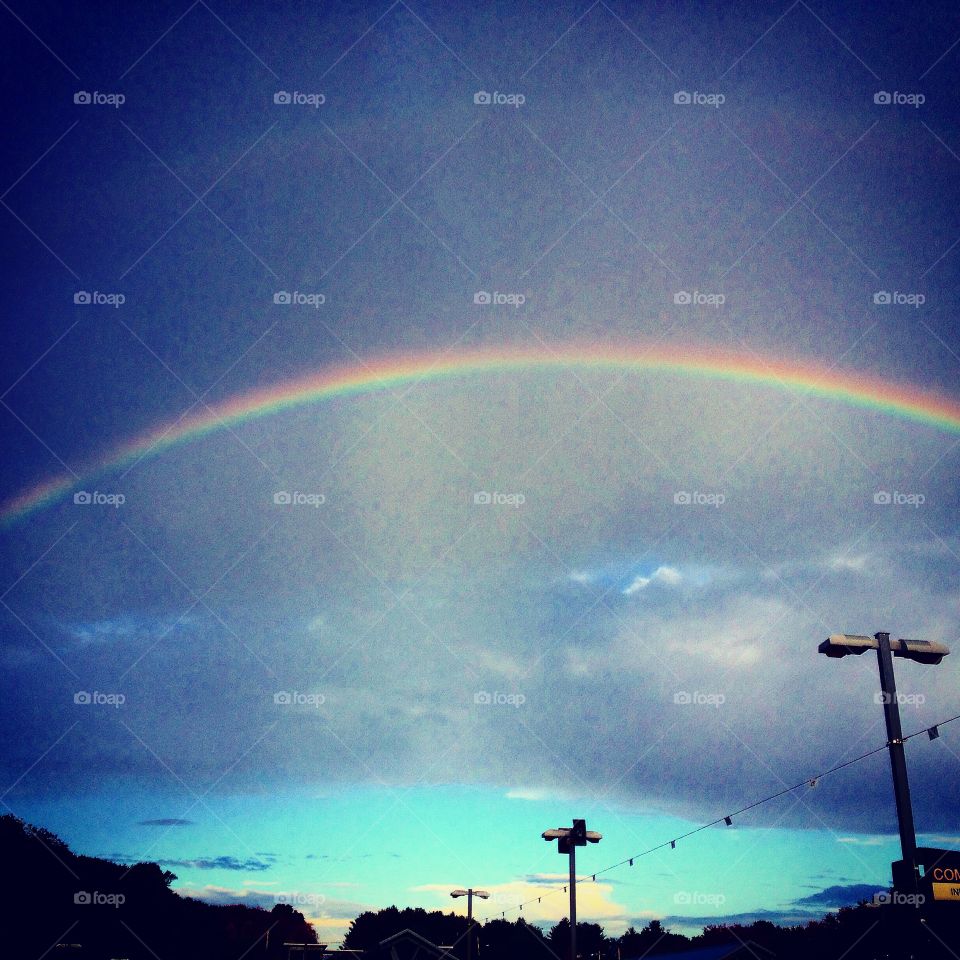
[(946, 891)]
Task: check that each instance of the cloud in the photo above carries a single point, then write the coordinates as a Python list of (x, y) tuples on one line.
[(863, 841), (528, 793), (785, 918), (594, 901), (663, 574), (329, 916), (217, 863), (166, 822), (840, 896), (847, 562)]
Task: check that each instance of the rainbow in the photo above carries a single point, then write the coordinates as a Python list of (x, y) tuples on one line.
[(391, 372)]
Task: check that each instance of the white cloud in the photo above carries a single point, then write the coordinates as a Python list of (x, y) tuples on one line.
[(855, 564), (527, 793), (663, 574), (594, 901), (331, 918)]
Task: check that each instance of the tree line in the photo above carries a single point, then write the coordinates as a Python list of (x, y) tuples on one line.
[(50, 895)]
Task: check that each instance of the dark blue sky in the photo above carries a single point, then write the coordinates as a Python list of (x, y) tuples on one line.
[(595, 195)]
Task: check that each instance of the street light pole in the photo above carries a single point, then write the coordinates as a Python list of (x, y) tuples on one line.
[(922, 651), (573, 902), (470, 893), (898, 764), (568, 839)]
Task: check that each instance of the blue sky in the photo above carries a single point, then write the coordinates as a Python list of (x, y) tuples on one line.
[(392, 693)]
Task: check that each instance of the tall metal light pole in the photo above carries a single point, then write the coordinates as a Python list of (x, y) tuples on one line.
[(569, 838), (470, 893), (923, 651)]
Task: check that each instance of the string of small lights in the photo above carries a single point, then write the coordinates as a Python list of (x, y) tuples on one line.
[(932, 732)]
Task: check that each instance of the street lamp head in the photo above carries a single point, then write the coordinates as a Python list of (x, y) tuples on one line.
[(458, 893), (482, 894), (845, 644)]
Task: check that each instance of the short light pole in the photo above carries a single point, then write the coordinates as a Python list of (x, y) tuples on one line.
[(922, 651), (470, 893), (568, 839)]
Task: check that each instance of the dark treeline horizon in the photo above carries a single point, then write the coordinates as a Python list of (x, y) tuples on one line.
[(52, 895)]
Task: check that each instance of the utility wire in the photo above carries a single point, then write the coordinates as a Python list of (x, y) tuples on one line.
[(931, 731)]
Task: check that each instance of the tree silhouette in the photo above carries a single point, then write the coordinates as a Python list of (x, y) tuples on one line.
[(52, 895)]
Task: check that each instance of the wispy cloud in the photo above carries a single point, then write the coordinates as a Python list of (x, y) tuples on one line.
[(166, 822), (663, 574)]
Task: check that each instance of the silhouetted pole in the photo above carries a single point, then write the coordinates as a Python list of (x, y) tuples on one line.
[(898, 765), (470, 893), (568, 839), (573, 902), (922, 651)]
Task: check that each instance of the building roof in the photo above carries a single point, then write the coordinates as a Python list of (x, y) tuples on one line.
[(410, 945)]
